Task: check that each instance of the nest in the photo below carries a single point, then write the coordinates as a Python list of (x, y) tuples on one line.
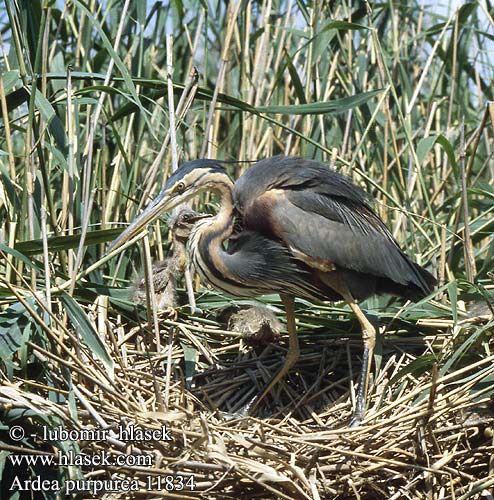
[(427, 433)]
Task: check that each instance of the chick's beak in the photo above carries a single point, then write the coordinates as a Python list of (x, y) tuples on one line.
[(199, 217)]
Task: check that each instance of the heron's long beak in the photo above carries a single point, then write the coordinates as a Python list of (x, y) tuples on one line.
[(164, 202)]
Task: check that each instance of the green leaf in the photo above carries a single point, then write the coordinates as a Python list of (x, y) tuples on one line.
[(18, 255), (101, 88), (427, 143), (180, 8), (10, 81), (31, 13), (190, 358), (465, 11), (54, 123), (453, 297), (343, 25), (424, 146), (85, 330), (317, 108), (14, 328), (297, 84), (57, 243), (462, 350), (141, 8), (490, 36), (416, 367)]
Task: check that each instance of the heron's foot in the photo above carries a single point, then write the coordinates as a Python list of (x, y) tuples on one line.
[(355, 421), (235, 415), (359, 412), (170, 312), (195, 311), (245, 411)]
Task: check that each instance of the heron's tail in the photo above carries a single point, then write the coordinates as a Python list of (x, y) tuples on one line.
[(421, 283), (429, 279)]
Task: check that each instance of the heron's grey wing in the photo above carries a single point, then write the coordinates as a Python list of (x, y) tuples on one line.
[(326, 231), (295, 174), (254, 265)]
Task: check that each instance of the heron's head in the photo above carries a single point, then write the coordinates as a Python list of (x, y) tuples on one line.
[(187, 181)]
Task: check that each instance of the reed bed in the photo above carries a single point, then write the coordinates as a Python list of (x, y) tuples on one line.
[(428, 432), (100, 101)]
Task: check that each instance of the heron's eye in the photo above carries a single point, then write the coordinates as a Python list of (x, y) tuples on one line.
[(180, 187)]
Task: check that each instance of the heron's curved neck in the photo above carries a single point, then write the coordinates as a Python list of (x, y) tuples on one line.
[(206, 243), (220, 227)]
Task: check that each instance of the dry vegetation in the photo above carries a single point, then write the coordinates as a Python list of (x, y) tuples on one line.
[(97, 105)]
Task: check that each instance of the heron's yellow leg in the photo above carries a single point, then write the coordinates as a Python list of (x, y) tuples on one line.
[(293, 347), (369, 339), (335, 281)]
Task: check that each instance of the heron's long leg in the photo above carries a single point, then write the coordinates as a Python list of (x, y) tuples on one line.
[(369, 339), (335, 281), (292, 355)]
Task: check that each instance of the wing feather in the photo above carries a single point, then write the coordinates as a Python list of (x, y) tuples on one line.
[(321, 214)]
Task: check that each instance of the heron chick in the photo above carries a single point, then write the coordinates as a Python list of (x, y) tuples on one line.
[(167, 272), (257, 324), (307, 231)]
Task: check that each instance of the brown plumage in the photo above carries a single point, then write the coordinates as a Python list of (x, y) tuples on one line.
[(167, 272), (257, 324)]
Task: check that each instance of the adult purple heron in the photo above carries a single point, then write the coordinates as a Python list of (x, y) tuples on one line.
[(301, 230)]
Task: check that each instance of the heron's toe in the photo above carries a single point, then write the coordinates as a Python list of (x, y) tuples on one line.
[(170, 312)]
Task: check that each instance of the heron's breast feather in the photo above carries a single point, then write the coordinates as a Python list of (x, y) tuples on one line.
[(263, 215)]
